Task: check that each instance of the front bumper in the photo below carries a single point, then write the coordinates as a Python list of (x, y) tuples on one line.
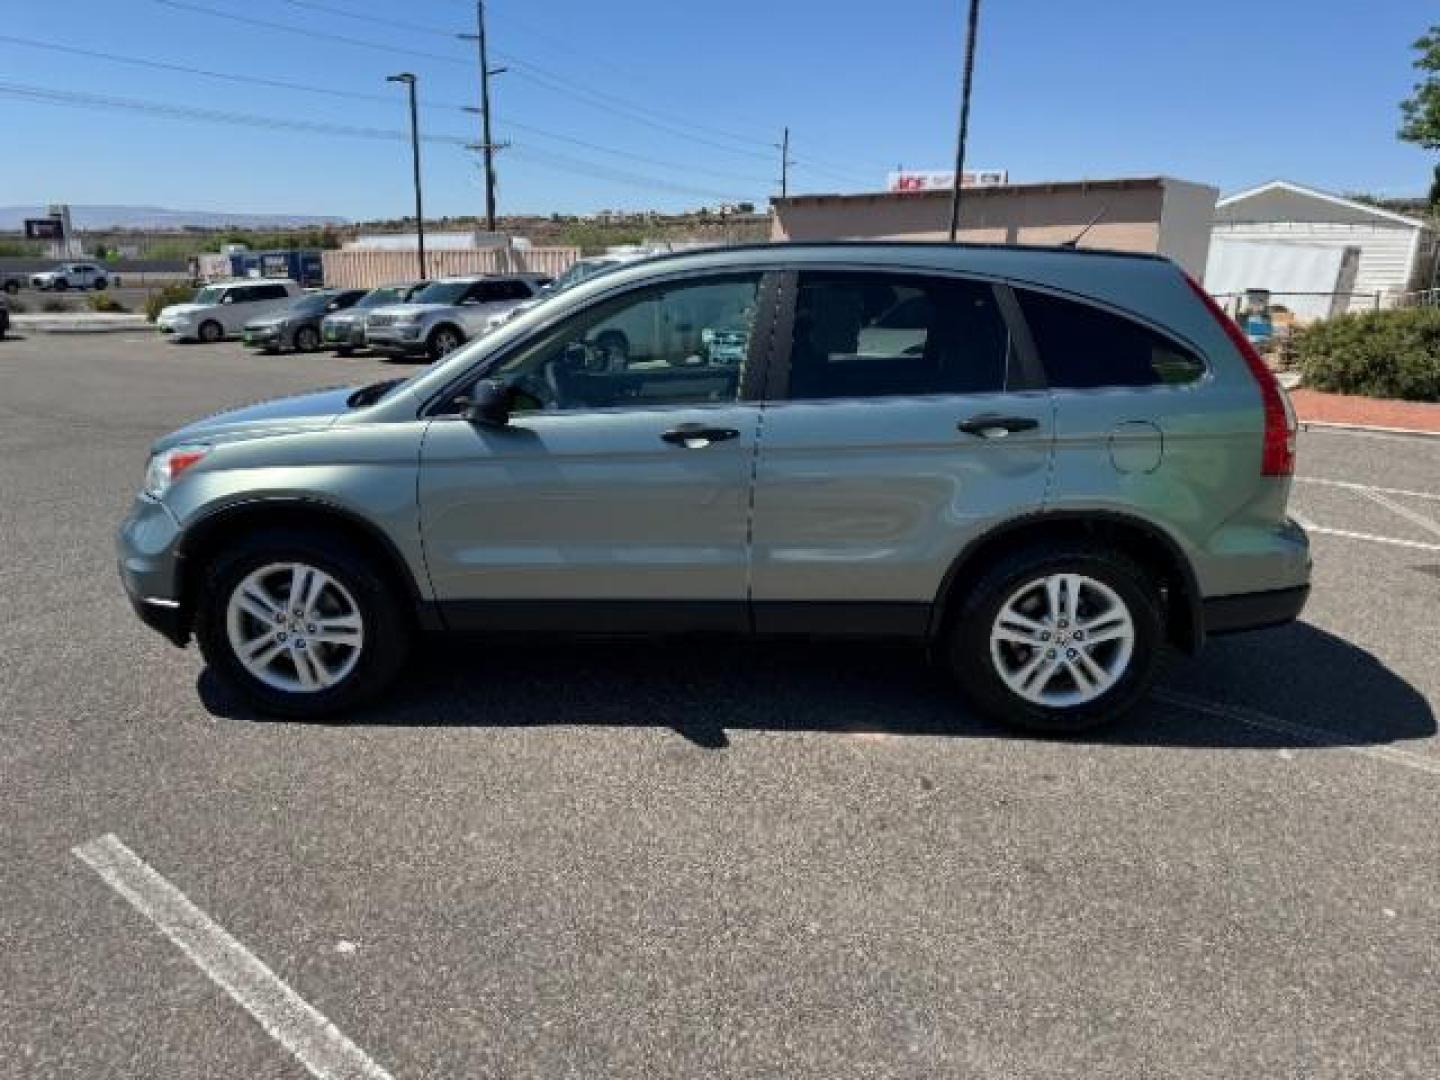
[(408, 340), (346, 335), (1254, 611), (146, 547), (263, 337)]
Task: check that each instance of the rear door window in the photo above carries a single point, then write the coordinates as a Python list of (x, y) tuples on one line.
[(864, 334), (1084, 347)]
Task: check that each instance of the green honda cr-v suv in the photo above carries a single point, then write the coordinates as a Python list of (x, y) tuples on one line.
[(1044, 464)]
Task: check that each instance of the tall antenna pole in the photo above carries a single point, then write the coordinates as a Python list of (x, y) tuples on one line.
[(486, 145), (785, 164), (409, 81), (964, 117)]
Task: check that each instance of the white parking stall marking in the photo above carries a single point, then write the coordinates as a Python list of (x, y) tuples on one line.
[(1350, 485), (1414, 516), (286, 1017), (1378, 495), (1319, 736)]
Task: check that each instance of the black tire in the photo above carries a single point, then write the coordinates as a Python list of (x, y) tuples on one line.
[(386, 625), (101, 285), (61, 285), (344, 351), (211, 331), (12, 286), (443, 340), (307, 339), (968, 649)]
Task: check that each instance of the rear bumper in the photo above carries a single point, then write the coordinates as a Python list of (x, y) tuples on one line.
[(1254, 611)]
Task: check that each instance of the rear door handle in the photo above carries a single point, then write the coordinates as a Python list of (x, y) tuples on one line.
[(994, 426), (697, 436)]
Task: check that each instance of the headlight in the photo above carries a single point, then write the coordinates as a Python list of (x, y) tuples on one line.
[(166, 467)]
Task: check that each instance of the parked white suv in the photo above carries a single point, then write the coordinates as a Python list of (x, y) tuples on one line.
[(447, 313), (78, 275), (224, 308)]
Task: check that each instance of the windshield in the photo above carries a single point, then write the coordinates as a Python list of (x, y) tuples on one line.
[(310, 305), (580, 271), (442, 292), (379, 297), (208, 295)]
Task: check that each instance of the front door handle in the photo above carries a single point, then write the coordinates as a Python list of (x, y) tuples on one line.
[(994, 426), (696, 436)]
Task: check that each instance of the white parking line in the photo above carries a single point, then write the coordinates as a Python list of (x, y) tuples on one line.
[(1320, 530), (1319, 736), (286, 1017), (1350, 485), (1413, 516)]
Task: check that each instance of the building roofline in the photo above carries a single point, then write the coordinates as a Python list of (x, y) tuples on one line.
[(985, 191), (1324, 196), (903, 245)]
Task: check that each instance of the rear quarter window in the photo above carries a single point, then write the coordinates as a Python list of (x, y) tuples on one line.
[(1083, 347)]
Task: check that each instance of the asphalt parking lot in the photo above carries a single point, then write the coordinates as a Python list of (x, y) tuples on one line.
[(634, 859)]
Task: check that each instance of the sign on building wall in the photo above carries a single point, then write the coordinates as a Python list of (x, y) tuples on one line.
[(935, 180), (47, 228)]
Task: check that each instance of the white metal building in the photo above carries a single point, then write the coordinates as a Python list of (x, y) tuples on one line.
[(1397, 254)]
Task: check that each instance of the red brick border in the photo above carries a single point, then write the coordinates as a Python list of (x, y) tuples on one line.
[(1312, 405)]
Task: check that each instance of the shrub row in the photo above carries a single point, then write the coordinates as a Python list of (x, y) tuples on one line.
[(1384, 354)]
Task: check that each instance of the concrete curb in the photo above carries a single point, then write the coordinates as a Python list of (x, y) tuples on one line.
[(1374, 429), (22, 324)]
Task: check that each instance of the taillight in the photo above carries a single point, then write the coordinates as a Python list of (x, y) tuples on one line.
[(1277, 457)]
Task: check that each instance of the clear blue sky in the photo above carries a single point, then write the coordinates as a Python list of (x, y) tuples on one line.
[(1230, 92)]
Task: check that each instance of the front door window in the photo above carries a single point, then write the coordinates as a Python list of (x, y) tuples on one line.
[(686, 343)]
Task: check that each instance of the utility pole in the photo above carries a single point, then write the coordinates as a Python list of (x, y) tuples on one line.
[(486, 145), (964, 118), (785, 164), (409, 80)]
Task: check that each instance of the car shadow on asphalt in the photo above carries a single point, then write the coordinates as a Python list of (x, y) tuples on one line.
[(1294, 686)]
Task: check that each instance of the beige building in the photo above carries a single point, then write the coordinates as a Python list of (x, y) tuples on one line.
[(1156, 214)]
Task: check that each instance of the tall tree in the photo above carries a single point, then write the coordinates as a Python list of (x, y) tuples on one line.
[(1420, 112)]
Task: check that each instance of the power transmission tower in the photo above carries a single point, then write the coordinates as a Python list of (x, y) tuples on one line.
[(487, 145)]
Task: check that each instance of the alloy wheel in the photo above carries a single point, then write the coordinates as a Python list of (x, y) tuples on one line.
[(294, 627), (1062, 640)]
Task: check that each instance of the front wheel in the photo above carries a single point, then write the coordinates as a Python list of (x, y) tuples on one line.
[(211, 331), (443, 342), (300, 624), (307, 339), (1058, 639), (61, 285)]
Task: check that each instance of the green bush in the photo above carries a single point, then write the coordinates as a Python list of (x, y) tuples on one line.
[(1384, 354), (100, 301), (163, 298)]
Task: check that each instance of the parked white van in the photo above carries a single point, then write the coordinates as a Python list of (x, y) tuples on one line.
[(223, 309)]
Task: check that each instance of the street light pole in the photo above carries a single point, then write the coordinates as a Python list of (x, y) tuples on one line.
[(964, 118), (409, 80)]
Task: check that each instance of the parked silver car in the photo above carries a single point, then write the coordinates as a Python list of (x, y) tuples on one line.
[(344, 331), (1045, 465), (447, 313)]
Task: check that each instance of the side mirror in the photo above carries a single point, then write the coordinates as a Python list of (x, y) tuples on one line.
[(488, 403)]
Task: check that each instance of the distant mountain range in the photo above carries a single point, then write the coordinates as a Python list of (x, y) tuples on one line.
[(158, 218)]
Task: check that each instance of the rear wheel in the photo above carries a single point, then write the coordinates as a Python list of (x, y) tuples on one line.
[(211, 331), (307, 339), (101, 285), (61, 285), (300, 624), (1058, 639), (344, 351)]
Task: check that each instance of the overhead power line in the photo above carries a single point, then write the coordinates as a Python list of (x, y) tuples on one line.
[(111, 102), (755, 148), (359, 95)]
